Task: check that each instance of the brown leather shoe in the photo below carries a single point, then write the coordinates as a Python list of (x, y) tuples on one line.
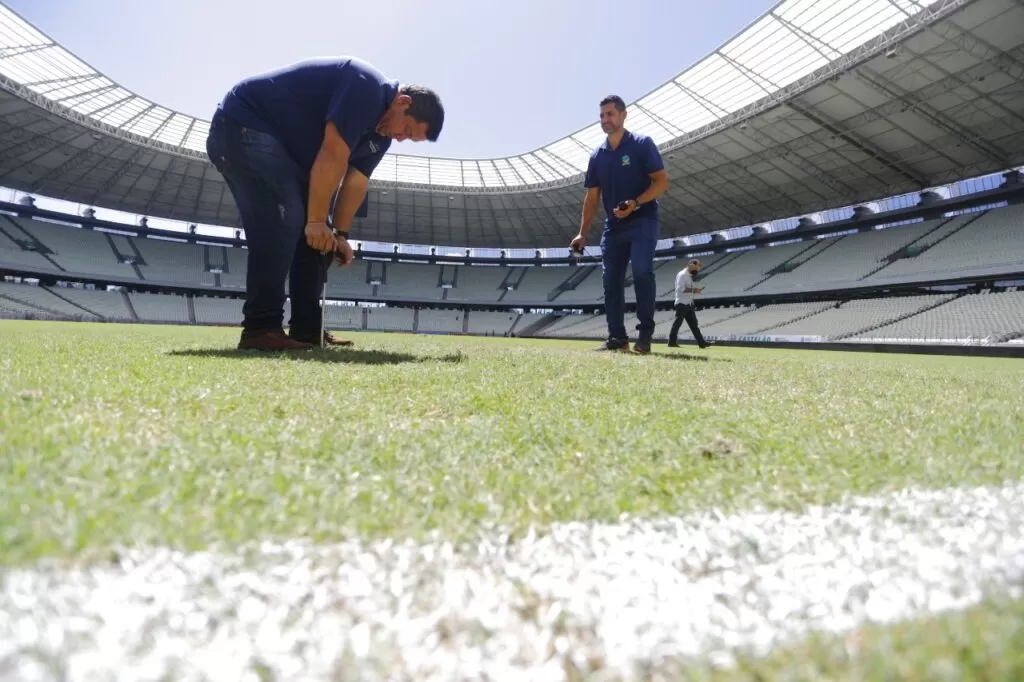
[(270, 340), (329, 339)]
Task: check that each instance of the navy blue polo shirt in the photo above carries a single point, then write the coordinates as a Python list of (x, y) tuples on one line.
[(295, 102), (624, 173)]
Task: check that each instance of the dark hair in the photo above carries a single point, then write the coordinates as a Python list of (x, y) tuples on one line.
[(616, 100), (426, 108)]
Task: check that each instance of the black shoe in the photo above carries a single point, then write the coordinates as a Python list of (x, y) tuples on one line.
[(706, 344), (673, 344), (621, 345)]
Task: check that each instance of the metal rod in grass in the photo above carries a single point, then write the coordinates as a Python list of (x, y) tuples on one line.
[(325, 260)]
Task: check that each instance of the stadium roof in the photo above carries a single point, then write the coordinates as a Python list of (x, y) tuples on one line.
[(816, 104)]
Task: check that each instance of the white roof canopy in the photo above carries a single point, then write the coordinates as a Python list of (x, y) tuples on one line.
[(787, 43)]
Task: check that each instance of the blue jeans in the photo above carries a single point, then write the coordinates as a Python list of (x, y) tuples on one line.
[(271, 193), (620, 246)]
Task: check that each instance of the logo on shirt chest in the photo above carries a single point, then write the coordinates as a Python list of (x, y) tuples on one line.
[(373, 147), (625, 159)]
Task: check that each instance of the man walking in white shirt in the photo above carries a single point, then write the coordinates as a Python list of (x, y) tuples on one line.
[(685, 309)]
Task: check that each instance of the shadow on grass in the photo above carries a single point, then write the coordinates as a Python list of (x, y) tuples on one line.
[(687, 356), (341, 355)]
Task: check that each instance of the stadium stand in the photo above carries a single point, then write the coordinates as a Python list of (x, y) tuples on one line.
[(410, 281), (344, 317), (161, 307), (390, 319), (997, 316), (107, 305), (440, 321), (36, 300), (851, 317), (173, 262), (993, 242), (478, 283), (487, 323), (987, 241)]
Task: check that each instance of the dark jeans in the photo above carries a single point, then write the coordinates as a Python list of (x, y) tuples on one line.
[(271, 193), (688, 313), (621, 246)]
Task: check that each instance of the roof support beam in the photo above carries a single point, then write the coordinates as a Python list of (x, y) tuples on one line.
[(17, 50), (65, 81), (925, 111), (829, 52), (84, 97), (850, 138), (766, 140), (118, 174), (79, 158)]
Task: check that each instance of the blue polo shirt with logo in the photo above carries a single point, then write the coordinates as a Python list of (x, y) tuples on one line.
[(294, 104), (623, 173)]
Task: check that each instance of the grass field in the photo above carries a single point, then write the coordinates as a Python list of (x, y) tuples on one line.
[(166, 437)]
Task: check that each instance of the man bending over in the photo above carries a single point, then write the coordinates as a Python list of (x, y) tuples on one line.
[(284, 141)]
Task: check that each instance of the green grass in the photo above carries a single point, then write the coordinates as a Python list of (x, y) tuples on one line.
[(164, 435), (981, 643)]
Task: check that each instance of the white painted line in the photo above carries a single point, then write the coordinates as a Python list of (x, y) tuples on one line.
[(621, 597)]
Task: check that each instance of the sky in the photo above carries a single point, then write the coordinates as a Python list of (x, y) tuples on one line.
[(514, 76)]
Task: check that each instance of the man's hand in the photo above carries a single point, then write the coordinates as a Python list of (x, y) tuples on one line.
[(629, 205), (699, 291), (343, 252), (578, 243), (320, 237)]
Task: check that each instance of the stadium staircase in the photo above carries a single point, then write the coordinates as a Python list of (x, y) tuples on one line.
[(719, 264), (1010, 337), (447, 279), (514, 278), (190, 301), (629, 278), (375, 271), (515, 323), (45, 308), (909, 251), (128, 303), (572, 282), (791, 320), (135, 251), (26, 304), (894, 320), (564, 331), (54, 290), (739, 313), (714, 267), (793, 263), (26, 240), (536, 327), (225, 266), (135, 258)]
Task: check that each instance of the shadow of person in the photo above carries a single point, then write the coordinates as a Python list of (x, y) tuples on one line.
[(335, 355)]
